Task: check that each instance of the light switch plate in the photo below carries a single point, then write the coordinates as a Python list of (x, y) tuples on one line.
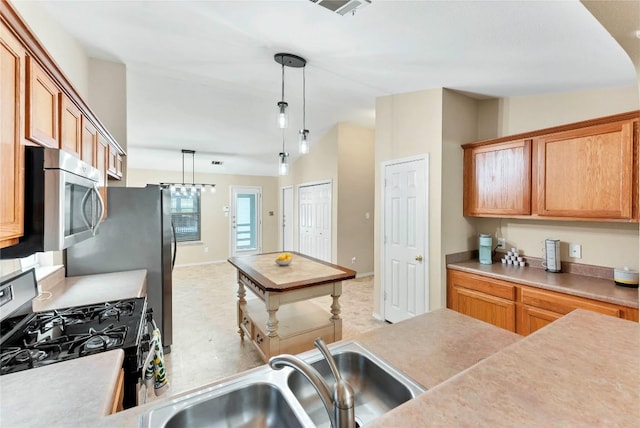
[(575, 251)]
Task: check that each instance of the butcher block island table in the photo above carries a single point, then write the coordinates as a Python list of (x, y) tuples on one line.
[(281, 319)]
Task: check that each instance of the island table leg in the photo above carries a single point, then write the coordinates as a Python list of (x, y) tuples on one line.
[(241, 302)]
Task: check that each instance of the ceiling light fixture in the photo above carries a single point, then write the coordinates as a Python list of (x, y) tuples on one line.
[(188, 187), (289, 60), (294, 61)]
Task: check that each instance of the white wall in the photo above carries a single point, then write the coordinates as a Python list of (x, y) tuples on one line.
[(108, 100), (64, 49), (408, 125), (214, 244), (356, 174)]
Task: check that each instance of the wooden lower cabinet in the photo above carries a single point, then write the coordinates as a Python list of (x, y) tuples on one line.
[(481, 298), (518, 308), (532, 319)]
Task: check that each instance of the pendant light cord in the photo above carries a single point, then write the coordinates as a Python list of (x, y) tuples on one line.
[(283, 80), (193, 168), (304, 100), (183, 168)]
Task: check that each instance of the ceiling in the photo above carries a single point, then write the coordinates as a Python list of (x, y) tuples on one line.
[(201, 74)]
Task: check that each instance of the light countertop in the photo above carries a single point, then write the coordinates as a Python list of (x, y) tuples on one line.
[(303, 271), (581, 370), (72, 393), (89, 289), (577, 285), (477, 374)]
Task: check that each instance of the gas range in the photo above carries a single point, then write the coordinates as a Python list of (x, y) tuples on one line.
[(30, 340)]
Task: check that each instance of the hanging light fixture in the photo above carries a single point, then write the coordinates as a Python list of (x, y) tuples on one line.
[(294, 61), (303, 143), (289, 60), (283, 168), (188, 187)]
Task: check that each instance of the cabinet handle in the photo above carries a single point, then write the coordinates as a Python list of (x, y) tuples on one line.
[(259, 339)]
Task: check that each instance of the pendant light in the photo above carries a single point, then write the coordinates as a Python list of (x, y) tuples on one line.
[(303, 143), (283, 116), (283, 168), (188, 187), (294, 61)]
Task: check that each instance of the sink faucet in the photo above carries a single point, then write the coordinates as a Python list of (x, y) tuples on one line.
[(339, 404)]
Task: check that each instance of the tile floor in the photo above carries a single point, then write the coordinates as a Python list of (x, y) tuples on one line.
[(206, 346)]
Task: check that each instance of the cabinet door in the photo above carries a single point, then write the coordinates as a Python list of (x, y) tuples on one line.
[(70, 126), (481, 306), (497, 179), (12, 77), (89, 142), (586, 173), (42, 106), (532, 319), (102, 163)]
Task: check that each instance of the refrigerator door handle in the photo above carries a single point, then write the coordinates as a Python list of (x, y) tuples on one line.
[(175, 245)]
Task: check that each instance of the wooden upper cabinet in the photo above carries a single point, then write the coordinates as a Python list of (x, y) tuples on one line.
[(89, 142), (497, 179), (70, 126), (12, 77), (114, 167), (42, 106), (586, 172)]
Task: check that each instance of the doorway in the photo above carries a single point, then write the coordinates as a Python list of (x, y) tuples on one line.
[(287, 218), (314, 220), (246, 220), (405, 219)]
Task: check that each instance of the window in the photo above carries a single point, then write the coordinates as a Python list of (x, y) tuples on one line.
[(185, 213)]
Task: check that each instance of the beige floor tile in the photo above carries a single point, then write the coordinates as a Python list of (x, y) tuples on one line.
[(206, 346)]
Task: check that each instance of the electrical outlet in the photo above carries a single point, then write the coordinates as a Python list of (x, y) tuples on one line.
[(206, 249), (353, 261), (575, 251), (502, 243)]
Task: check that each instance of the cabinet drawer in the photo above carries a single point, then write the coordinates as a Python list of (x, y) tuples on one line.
[(563, 305), (493, 287), (496, 311)]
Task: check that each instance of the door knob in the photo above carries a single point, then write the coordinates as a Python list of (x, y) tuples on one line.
[(418, 258)]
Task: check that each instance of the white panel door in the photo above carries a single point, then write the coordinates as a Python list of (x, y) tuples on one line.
[(314, 219), (406, 291), (287, 219)]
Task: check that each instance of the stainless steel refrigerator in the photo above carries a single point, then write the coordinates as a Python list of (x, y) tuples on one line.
[(137, 234)]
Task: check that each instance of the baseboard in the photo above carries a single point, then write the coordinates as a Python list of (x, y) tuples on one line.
[(377, 316), (362, 275), (211, 262)]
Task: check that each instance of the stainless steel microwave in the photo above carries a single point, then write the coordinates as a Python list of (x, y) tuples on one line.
[(62, 203)]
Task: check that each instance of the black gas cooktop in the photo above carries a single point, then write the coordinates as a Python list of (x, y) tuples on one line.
[(38, 339)]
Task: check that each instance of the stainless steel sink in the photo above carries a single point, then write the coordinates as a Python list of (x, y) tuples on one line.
[(378, 387), (253, 400), (263, 397), (256, 405)]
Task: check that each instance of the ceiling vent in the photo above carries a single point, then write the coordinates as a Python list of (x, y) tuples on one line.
[(342, 7)]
